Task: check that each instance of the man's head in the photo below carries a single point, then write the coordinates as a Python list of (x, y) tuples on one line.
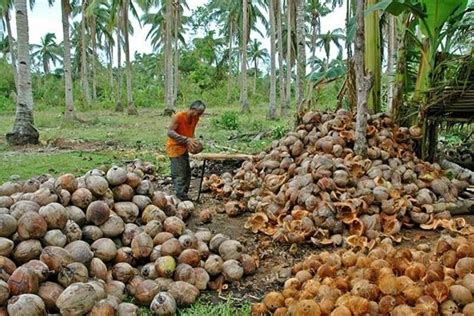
[(197, 108)]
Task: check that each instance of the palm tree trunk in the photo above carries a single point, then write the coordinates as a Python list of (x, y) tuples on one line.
[(400, 71), (280, 56), (118, 96), (94, 57), (110, 54), (272, 104), (229, 81), (131, 110), (45, 66), (169, 60), (244, 103), (10, 46), (176, 53), (69, 111), (24, 131), (373, 61), (84, 63), (288, 59), (300, 38), (391, 58), (255, 76), (363, 84)]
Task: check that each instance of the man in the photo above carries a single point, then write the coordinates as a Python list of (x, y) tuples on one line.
[(180, 142)]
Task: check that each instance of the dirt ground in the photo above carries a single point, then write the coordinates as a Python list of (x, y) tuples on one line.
[(275, 260)]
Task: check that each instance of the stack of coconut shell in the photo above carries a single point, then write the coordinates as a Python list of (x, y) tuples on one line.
[(380, 280), (84, 245), (310, 185)]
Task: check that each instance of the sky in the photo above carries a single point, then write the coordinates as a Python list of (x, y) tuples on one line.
[(44, 19)]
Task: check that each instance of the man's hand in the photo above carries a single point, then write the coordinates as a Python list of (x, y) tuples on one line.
[(194, 147)]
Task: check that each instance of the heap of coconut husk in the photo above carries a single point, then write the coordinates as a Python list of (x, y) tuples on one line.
[(310, 185), (84, 245), (429, 279)]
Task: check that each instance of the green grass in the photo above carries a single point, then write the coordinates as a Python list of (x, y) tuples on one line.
[(206, 307)]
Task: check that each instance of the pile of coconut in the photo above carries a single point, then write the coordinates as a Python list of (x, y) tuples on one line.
[(310, 185), (85, 245), (380, 279)]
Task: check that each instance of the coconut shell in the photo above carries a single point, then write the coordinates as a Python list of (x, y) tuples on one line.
[(184, 293), (27, 250), (26, 305), (49, 293), (76, 299), (97, 212)]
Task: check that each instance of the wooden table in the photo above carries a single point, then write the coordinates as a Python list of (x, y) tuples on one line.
[(215, 157)]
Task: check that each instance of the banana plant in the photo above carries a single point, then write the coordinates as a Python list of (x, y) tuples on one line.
[(432, 17)]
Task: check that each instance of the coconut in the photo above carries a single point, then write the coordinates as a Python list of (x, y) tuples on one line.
[(184, 209), (113, 226), (171, 247), (23, 280), (184, 272), (460, 294), (20, 208), (142, 201), (142, 245), (91, 233), (123, 272), (145, 292), (231, 249), (98, 269), (77, 299), (190, 256), (127, 309), (6, 246), (232, 270), (97, 212), (67, 182), (55, 215), (174, 225), (80, 251), (117, 289), (75, 214), (163, 304), (165, 266), (123, 192), (73, 231), (49, 293), (4, 292), (248, 264), (82, 198), (55, 258), (54, 237), (152, 228), (104, 249), (26, 305), (161, 237), (8, 225), (201, 278), (184, 293), (213, 265), (216, 242), (129, 233), (31, 226), (128, 211), (96, 184), (125, 254), (104, 307), (149, 271), (72, 273), (27, 250), (203, 249), (116, 175), (40, 268)]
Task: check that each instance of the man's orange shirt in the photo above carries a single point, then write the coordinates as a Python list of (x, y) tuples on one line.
[(185, 128)]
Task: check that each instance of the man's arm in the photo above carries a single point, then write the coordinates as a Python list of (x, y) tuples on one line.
[(174, 135)]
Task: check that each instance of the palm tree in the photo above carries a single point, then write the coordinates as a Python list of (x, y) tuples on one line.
[(244, 103), (48, 51), (373, 56), (5, 6), (255, 54), (281, 77), (324, 41), (290, 18), (170, 107), (316, 10), (84, 60), (301, 51), (230, 14), (24, 131), (272, 105), (68, 85)]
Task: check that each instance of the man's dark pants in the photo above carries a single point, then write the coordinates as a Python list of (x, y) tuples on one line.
[(181, 175)]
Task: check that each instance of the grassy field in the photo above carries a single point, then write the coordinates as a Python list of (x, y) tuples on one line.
[(106, 138)]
